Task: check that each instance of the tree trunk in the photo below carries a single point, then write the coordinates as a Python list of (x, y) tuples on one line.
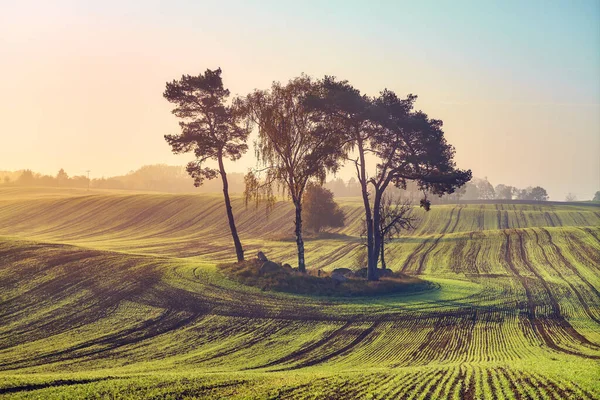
[(362, 179), (239, 251), (371, 270), (383, 255), (377, 242), (299, 240)]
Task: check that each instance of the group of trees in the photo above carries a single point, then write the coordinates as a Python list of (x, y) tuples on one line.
[(308, 128), (482, 189), (477, 189), (61, 179), (156, 177), (175, 179), (340, 188)]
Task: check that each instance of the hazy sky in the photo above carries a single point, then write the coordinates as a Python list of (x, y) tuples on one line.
[(517, 83)]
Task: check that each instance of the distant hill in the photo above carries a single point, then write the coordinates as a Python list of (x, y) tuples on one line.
[(197, 225)]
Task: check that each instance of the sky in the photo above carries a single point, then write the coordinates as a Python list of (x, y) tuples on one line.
[(517, 83)]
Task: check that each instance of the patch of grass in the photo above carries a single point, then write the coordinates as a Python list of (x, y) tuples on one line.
[(311, 283)]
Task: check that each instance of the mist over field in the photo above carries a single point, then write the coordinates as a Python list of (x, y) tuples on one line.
[(316, 200)]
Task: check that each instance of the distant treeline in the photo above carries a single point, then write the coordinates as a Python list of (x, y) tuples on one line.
[(476, 189), (159, 178), (174, 179)]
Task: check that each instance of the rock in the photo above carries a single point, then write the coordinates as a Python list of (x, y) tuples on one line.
[(361, 273), (261, 256), (286, 266), (343, 271), (269, 267), (338, 277)]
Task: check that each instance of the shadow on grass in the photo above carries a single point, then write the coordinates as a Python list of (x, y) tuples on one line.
[(313, 236), (57, 383)]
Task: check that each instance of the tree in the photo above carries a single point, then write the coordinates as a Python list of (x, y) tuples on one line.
[(486, 190), (26, 178), (337, 186), (46, 180), (407, 145), (210, 129), (570, 197), (320, 208), (348, 116), (471, 191), (79, 181), (395, 216), (62, 177), (596, 196), (353, 188), (460, 192), (291, 145), (410, 146), (505, 192), (524, 194), (537, 193)]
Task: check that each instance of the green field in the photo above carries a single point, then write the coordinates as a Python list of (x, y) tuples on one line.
[(117, 295)]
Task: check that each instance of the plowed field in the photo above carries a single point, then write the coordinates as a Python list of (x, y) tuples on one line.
[(117, 295)]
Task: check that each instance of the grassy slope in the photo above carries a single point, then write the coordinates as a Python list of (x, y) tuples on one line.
[(113, 293)]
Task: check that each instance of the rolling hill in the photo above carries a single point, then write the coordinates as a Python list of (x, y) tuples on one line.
[(114, 294)]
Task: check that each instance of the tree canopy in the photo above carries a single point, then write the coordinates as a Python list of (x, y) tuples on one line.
[(321, 209), (505, 192), (209, 128), (486, 190), (537, 193), (570, 197)]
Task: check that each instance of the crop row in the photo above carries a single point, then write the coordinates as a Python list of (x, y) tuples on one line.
[(463, 381)]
